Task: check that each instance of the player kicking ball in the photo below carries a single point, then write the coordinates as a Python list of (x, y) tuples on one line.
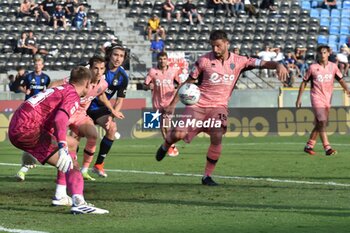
[(217, 73), (39, 127), (162, 81), (321, 75)]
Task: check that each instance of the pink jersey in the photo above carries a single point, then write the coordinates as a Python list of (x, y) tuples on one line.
[(32, 127), (164, 89), (322, 80), (217, 79), (94, 91)]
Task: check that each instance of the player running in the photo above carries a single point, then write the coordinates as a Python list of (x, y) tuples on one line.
[(117, 80), (321, 75), (217, 73), (39, 127), (162, 81)]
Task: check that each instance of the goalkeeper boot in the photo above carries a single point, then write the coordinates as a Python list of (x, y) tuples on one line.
[(86, 176), (87, 208), (207, 180), (80, 206), (99, 170), (64, 201), (309, 150), (330, 151)]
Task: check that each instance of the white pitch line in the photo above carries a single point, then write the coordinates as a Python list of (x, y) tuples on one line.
[(19, 230), (329, 183)]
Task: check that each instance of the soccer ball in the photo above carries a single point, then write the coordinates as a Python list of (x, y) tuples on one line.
[(189, 94)]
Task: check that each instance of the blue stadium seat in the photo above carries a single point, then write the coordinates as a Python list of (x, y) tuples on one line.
[(345, 13), (315, 13), (334, 47), (339, 4), (316, 3), (335, 13), (346, 5), (324, 22), (345, 22), (333, 39), (324, 13), (343, 39), (335, 21), (344, 30), (321, 39), (306, 5), (334, 30)]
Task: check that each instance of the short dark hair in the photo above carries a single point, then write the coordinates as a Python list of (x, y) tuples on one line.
[(79, 74), (218, 35), (323, 46), (162, 54), (96, 58)]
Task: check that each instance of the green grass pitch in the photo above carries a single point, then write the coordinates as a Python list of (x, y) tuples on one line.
[(266, 185)]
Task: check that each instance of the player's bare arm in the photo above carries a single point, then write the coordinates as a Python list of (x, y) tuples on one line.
[(301, 91), (281, 70), (103, 99)]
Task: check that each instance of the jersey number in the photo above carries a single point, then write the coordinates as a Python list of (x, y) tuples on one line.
[(35, 100)]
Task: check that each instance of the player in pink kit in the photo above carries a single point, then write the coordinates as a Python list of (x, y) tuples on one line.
[(83, 126), (217, 73), (162, 81), (321, 75), (39, 127)]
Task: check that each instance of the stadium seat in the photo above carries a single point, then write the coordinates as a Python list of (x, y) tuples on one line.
[(343, 39), (345, 13), (334, 30), (335, 22), (345, 22), (346, 4), (335, 13), (306, 5), (344, 30), (324, 13), (333, 39), (324, 22), (314, 4), (321, 39), (314, 13)]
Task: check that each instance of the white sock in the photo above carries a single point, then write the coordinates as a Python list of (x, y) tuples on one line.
[(24, 169), (61, 191), (78, 199), (84, 169)]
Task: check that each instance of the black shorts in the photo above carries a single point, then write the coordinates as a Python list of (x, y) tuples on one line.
[(97, 113)]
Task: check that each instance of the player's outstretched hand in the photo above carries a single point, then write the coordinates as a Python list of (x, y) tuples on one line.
[(64, 162), (118, 115), (282, 72)]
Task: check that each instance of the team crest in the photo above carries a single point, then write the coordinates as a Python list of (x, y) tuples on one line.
[(232, 66), (115, 82), (42, 80)]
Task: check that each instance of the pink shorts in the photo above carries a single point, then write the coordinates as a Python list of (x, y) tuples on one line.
[(212, 119), (79, 119), (37, 141), (321, 113), (320, 109)]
